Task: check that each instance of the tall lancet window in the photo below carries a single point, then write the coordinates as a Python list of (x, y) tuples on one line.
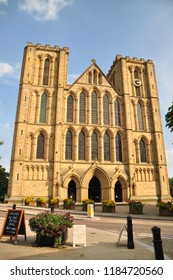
[(143, 155), (46, 72), (94, 146), (82, 109), (94, 109), (140, 117), (137, 87), (68, 145), (70, 106), (118, 147), (81, 145), (105, 109), (43, 108), (117, 113), (40, 146), (107, 156)]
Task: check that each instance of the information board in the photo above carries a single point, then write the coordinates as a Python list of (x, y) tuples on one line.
[(14, 224), (79, 235)]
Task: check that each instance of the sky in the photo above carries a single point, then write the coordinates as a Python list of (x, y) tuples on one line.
[(98, 29)]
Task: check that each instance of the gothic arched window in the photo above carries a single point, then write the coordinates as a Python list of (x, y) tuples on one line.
[(40, 146), (105, 109), (70, 108), (81, 145), (142, 148), (94, 146), (100, 78), (82, 108), (43, 108), (68, 145), (46, 72), (140, 117), (117, 113), (118, 147), (94, 110), (95, 77), (107, 147), (90, 77)]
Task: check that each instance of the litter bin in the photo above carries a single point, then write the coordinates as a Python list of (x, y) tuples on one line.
[(90, 210)]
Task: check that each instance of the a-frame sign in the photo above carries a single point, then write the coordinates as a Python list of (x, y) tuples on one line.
[(14, 224)]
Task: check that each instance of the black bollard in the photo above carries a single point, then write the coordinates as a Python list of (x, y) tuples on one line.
[(157, 243), (14, 206), (52, 209), (130, 242)]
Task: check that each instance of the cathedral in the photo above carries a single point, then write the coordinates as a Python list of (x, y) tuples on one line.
[(100, 137)]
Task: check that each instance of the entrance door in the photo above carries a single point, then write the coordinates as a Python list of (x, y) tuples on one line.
[(94, 191), (118, 192), (72, 190)]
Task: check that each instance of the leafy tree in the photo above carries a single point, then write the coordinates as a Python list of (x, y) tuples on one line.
[(171, 186), (3, 182), (169, 118)]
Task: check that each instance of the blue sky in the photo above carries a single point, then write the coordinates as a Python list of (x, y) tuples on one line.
[(98, 29)]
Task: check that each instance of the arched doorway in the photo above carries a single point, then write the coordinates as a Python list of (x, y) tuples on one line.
[(94, 190), (118, 192), (72, 190)]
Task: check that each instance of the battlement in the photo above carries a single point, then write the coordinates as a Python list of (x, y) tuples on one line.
[(128, 59), (47, 47)]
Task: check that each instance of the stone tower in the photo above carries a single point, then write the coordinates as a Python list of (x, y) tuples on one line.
[(100, 137)]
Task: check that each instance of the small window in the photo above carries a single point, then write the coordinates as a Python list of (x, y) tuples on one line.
[(68, 150), (40, 146), (107, 147), (94, 146), (46, 72), (43, 108), (81, 145), (94, 110), (70, 108), (82, 109), (142, 151)]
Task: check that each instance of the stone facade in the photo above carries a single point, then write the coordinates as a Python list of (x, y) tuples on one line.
[(100, 137)]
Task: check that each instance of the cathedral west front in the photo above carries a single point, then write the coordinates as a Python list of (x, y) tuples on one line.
[(100, 137)]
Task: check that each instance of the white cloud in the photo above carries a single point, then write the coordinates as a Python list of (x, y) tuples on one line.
[(7, 69), (44, 10), (3, 1)]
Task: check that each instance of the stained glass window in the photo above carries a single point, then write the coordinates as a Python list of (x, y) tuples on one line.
[(106, 147), (81, 145), (40, 146), (105, 109), (118, 147), (94, 110), (70, 108), (82, 108), (69, 143), (140, 117), (142, 151), (94, 146), (117, 113)]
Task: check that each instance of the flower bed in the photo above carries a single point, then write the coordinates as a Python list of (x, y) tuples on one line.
[(51, 228), (108, 206), (68, 203), (135, 207)]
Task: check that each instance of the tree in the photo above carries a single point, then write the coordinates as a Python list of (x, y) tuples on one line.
[(4, 176), (169, 118), (171, 186)]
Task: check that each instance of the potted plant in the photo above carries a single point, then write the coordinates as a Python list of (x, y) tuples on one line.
[(51, 228), (41, 202), (29, 201), (54, 201), (165, 208), (135, 207), (86, 202), (68, 203), (108, 206)]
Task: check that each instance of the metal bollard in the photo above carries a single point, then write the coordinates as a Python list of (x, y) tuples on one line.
[(14, 206), (52, 209), (130, 242), (157, 243)]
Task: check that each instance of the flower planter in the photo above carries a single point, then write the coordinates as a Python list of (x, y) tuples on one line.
[(133, 209), (47, 241), (41, 204), (165, 212), (108, 209), (70, 207)]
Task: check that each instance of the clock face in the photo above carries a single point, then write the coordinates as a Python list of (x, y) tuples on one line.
[(137, 82)]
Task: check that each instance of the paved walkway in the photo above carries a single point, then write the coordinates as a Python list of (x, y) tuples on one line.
[(101, 245)]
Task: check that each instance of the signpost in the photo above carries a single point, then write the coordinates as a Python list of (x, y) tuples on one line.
[(79, 235), (14, 224)]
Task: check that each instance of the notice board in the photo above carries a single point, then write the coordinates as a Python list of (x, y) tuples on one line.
[(14, 224)]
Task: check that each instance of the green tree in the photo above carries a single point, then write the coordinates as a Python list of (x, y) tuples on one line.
[(171, 186), (169, 118), (4, 176)]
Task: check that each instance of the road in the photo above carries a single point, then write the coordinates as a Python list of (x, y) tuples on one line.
[(141, 228)]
